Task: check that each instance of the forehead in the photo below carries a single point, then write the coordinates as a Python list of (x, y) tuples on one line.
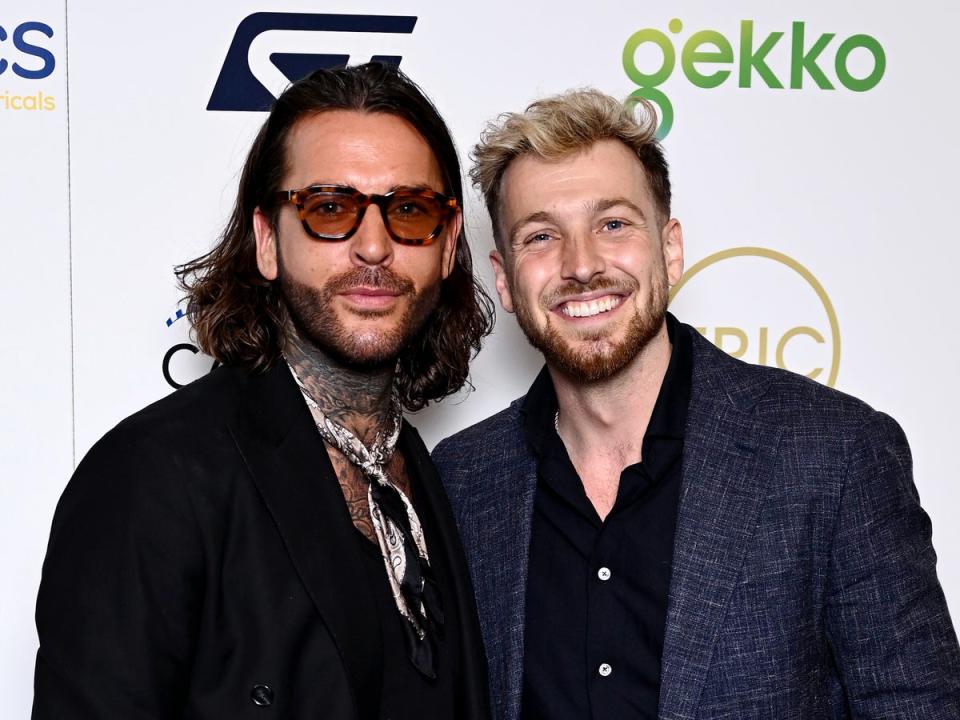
[(372, 152), (606, 169)]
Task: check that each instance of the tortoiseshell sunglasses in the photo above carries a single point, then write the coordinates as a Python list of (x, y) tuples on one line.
[(412, 216)]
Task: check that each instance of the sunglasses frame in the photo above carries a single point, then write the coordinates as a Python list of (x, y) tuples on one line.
[(299, 197)]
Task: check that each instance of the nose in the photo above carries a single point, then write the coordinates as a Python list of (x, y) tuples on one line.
[(581, 260), (371, 244)]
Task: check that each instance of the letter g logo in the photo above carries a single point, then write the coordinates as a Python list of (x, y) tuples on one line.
[(648, 82)]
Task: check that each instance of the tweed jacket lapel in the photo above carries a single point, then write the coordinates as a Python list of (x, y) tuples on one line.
[(726, 451), (511, 531), (492, 487)]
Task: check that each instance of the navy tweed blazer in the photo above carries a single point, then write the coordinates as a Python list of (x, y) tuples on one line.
[(804, 580)]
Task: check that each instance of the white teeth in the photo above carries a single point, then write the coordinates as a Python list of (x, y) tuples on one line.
[(591, 307)]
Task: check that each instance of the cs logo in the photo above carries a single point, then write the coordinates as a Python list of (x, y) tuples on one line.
[(237, 87), (23, 43)]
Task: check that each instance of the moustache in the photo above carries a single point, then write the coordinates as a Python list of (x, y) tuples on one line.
[(380, 278)]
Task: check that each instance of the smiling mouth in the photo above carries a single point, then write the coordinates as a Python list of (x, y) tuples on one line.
[(590, 308)]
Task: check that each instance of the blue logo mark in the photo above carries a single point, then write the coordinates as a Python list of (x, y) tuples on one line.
[(238, 89), (21, 43), (179, 314)]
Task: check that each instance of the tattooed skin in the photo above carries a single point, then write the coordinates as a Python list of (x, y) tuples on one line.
[(354, 487), (358, 399)]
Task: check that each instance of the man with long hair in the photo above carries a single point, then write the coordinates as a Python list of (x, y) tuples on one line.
[(274, 534), (659, 530)]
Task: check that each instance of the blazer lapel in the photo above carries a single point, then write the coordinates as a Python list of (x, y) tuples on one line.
[(508, 518), (473, 666), (725, 454), (289, 464)]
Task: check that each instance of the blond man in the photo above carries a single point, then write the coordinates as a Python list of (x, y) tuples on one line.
[(658, 530)]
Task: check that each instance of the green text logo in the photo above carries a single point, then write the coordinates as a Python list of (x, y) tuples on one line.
[(708, 59)]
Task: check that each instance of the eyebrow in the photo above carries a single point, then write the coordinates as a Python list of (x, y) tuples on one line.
[(414, 187), (599, 206), (535, 217), (593, 207)]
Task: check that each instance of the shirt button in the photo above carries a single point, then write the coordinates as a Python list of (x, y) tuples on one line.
[(604, 573), (605, 669)]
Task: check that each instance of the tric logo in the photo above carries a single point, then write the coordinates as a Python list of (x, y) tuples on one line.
[(709, 59), (237, 88), (765, 307)]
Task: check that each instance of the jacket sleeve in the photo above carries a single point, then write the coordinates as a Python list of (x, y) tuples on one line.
[(121, 589), (886, 617)]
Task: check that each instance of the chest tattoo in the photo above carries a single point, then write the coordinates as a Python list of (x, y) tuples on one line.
[(353, 484)]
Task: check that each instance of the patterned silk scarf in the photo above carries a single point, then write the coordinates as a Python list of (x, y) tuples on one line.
[(398, 530)]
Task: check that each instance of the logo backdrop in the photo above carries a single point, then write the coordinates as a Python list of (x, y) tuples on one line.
[(814, 172)]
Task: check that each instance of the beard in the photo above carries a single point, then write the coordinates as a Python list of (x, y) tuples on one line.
[(592, 355), (312, 313)]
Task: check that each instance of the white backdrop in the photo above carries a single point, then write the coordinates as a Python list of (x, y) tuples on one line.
[(849, 197)]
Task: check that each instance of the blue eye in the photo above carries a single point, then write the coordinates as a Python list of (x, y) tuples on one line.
[(539, 237), (614, 225)]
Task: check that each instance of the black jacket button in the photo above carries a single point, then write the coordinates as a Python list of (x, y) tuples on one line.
[(261, 695)]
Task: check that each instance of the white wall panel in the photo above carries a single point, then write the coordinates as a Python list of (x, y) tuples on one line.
[(857, 189), (36, 455)]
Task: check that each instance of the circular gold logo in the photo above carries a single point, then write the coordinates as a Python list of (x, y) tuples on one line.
[(762, 309)]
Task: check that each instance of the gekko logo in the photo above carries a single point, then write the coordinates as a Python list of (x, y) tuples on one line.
[(237, 87), (23, 54), (708, 59), (765, 307)]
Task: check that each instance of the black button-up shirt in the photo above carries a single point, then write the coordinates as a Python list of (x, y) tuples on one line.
[(596, 604)]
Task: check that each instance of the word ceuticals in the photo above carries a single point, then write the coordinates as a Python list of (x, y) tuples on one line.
[(37, 101)]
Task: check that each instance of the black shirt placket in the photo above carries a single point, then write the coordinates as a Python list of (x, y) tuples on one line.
[(597, 590)]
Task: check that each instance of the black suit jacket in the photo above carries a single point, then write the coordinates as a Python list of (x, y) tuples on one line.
[(203, 548)]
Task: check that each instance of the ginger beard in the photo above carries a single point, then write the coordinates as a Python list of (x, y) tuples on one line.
[(593, 355), (312, 313)]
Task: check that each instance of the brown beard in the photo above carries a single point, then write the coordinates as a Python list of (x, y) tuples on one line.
[(600, 359), (309, 310)]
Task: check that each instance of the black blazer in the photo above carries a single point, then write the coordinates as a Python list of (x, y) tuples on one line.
[(203, 549)]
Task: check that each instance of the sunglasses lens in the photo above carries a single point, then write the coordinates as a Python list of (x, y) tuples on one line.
[(414, 218), (330, 214)]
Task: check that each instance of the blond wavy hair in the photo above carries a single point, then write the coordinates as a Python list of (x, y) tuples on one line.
[(563, 125)]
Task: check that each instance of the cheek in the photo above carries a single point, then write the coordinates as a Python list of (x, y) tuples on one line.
[(532, 275), (640, 261), (306, 259), (423, 265)]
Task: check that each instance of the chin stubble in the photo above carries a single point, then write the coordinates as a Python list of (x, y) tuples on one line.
[(600, 359), (312, 312)]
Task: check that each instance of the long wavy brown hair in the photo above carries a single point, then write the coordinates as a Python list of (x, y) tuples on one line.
[(239, 317)]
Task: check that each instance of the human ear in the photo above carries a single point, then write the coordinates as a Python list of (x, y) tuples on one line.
[(503, 287), (671, 240), (266, 240)]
